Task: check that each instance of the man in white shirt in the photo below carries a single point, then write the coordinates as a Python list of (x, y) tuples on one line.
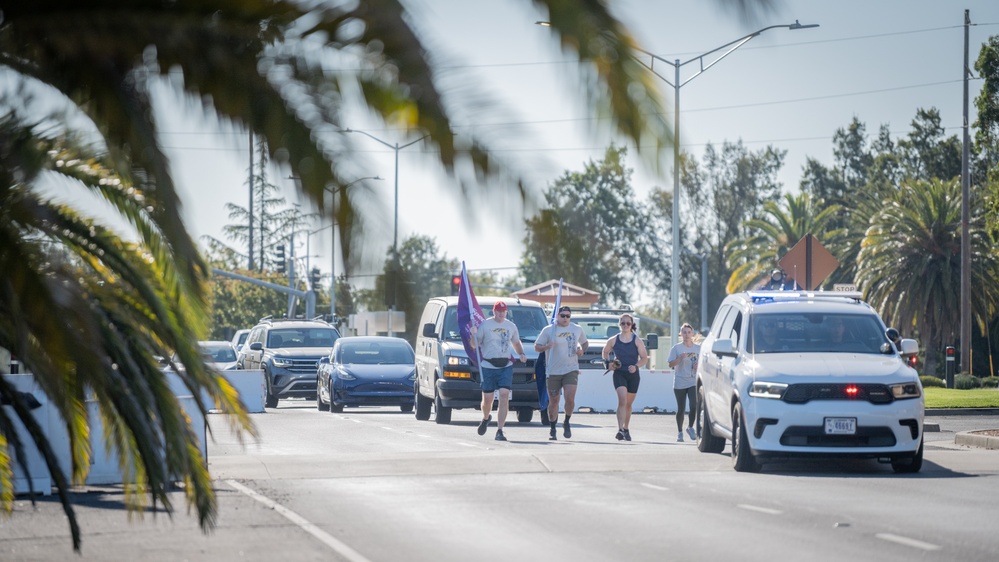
[(564, 342)]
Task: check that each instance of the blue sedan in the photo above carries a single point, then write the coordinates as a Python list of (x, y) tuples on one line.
[(367, 371)]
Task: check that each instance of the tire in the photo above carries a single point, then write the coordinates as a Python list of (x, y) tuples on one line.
[(707, 442), (423, 405), (443, 412), (525, 415), (320, 405), (406, 407), (742, 458), (270, 401), (335, 408), (911, 464)]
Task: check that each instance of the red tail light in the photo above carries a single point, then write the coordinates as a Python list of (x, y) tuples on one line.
[(852, 391)]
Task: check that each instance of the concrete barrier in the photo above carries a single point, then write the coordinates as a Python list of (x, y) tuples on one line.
[(37, 478), (596, 391)]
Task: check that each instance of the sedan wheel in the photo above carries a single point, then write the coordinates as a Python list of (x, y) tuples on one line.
[(320, 405)]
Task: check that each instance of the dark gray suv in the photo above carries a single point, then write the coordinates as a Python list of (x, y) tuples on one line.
[(288, 351)]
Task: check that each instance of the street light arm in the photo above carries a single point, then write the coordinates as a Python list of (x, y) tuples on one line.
[(392, 146)]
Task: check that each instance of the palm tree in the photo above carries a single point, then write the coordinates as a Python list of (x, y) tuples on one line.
[(777, 232), (909, 266), (254, 63)]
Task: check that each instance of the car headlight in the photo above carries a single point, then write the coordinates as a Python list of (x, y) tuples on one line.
[(761, 389), (279, 362), (412, 376), (342, 374), (905, 390), (452, 360)]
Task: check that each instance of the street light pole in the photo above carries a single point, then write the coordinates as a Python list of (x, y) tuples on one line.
[(395, 236), (677, 84)]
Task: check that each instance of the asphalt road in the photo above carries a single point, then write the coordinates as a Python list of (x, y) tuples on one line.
[(375, 484)]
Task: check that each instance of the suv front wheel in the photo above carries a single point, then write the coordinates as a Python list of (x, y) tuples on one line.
[(271, 400), (742, 458)]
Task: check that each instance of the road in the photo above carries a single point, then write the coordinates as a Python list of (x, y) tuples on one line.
[(375, 484)]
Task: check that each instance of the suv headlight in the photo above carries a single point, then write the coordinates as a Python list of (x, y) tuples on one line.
[(280, 362), (761, 389), (452, 360), (905, 390)]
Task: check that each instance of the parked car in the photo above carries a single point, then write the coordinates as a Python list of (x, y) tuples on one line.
[(239, 338), (600, 325), (446, 380), (367, 371), (288, 351), (219, 354), (788, 373)]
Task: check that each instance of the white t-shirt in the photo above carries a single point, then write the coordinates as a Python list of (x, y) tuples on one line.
[(496, 339), (685, 373), (562, 358)]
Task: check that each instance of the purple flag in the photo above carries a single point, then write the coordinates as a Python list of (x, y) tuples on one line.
[(469, 314)]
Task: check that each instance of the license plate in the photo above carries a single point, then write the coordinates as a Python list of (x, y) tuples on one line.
[(841, 426)]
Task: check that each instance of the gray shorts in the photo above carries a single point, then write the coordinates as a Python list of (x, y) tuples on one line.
[(556, 382)]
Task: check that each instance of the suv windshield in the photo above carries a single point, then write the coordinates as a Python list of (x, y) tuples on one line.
[(530, 320), (816, 332), (301, 337)]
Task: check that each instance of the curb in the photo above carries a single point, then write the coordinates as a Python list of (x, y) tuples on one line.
[(972, 439), (929, 412)]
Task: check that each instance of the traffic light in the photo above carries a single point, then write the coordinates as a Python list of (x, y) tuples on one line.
[(314, 277), (455, 284), (279, 258)]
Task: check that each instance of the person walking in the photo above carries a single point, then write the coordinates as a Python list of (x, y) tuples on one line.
[(630, 354), (683, 360), (496, 338), (564, 342)]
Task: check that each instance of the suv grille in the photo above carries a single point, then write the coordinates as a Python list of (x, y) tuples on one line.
[(804, 392), (302, 365)]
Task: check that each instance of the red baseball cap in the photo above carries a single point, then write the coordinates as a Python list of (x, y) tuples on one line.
[(499, 306)]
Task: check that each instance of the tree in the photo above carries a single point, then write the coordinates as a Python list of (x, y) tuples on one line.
[(986, 144), (909, 266), (592, 232), (255, 63), (774, 235)]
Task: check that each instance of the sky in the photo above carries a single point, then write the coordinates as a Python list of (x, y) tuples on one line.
[(876, 60)]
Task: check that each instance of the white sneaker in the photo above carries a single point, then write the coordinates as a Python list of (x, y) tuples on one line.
[(679, 437), (690, 432)]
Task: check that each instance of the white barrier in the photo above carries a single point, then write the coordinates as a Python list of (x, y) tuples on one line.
[(251, 387), (38, 473), (596, 391)]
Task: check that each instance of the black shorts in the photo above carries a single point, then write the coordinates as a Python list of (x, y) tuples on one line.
[(628, 380)]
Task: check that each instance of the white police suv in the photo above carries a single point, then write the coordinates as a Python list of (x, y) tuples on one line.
[(788, 373)]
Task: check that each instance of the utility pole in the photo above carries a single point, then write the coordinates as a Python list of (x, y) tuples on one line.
[(966, 219), (250, 237)]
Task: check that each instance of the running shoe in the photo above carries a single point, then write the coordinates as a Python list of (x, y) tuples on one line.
[(692, 434), (499, 435), (627, 435), (483, 424), (566, 431), (679, 437), (552, 436), (620, 435)]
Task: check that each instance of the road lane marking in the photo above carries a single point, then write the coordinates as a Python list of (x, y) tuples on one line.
[(329, 540), (907, 541), (759, 509), (654, 487)]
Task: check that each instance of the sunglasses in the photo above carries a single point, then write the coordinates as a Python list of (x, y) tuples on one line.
[(626, 323), (564, 316)]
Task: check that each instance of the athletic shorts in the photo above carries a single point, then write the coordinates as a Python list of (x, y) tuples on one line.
[(497, 378), (556, 382), (628, 380)]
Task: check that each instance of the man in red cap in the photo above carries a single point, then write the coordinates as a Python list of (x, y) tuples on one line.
[(496, 338)]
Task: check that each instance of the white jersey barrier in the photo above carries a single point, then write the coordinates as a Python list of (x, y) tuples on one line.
[(596, 391), (104, 464)]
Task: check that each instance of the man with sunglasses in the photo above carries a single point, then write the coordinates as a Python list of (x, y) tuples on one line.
[(564, 342)]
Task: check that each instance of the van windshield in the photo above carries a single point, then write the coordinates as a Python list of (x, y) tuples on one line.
[(530, 320)]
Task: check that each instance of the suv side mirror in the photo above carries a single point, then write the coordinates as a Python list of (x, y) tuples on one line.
[(428, 330), (256, 346), (651, 341), (723, 347)]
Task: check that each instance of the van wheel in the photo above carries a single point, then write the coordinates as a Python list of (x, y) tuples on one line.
[(443, 412), (707, 442), (525, 415), (423, 405), (742, 458)]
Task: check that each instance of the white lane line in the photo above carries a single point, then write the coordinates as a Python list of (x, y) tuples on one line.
[(907, 541), (654, 487), (759, 509), (306, 525)]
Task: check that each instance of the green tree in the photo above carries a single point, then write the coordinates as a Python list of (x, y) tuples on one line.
[(258, 64), (592, 232), (909, 265), (780, 228), (987, 128)]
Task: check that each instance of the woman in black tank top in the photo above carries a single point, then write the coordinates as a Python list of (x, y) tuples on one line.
[(629, 351)]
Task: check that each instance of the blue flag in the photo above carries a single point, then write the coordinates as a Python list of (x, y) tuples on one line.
[(469, 314)]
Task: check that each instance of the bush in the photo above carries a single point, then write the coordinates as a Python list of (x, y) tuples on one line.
[(989, 382), (965, 381), (929, 381)]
